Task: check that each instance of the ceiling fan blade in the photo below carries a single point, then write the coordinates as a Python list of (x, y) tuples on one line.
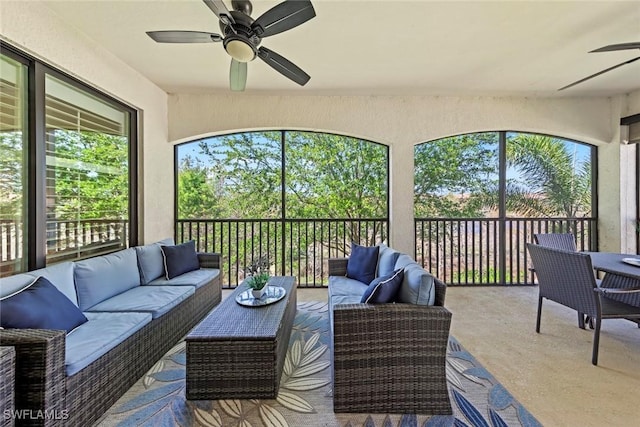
[(619, 46), (221, 11), (184, 36), (283, 66), (238, 75), (598, 73), (283, 17)]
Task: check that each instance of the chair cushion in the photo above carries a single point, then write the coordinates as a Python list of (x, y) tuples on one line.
[(387, 260), (179, 259), (418, 286), (13, 284), (150, 260), (197, 278), (156, 300), (61, 276), (40, 306), (383, 289), (100, 334), (345, 299), (363, 263), (104, 276), (403, 260), (341, 285)]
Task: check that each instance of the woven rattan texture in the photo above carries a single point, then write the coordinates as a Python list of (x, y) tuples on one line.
[(7, 384), (564, 241), (40, 372), (390, 358), (239, 352), (565, 277), (41, 376)]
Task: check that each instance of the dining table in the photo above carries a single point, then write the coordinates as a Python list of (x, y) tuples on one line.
[(622, 271)]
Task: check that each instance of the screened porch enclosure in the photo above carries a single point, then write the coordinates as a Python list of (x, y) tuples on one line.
[(285, 202)]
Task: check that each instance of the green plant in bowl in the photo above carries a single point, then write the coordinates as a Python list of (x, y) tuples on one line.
[(258, 281)]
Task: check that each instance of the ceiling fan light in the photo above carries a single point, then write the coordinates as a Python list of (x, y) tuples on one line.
[(240, 51)]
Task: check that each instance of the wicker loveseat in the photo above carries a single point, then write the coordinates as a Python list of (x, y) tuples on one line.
[(72, 379), (389, 358)]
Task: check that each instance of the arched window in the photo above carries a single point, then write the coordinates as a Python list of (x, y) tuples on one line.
[(285, 201), (479, 198)]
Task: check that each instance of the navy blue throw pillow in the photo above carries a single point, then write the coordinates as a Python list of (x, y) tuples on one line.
[(362, 263), (384, 289), (40, 306), (180, 259)]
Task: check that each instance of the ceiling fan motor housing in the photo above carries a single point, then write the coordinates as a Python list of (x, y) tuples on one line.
[(240, 41)]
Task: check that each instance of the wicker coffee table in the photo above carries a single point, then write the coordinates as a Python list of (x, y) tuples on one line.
[(238, 352)]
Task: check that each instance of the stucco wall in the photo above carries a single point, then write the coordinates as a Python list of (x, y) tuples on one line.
[(31, 27), (402, 122)]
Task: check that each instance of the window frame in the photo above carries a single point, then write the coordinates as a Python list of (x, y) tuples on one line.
[(37, 70)]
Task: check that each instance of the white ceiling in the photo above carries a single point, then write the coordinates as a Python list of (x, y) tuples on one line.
[(392, 47)]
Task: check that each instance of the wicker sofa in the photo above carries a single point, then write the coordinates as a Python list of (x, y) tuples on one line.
[(72, 379), (389, 358)]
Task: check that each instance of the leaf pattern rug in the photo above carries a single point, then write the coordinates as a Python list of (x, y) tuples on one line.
[(304, 398)]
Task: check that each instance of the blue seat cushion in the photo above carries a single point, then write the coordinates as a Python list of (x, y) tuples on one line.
[(156, 300), (180, 259), (197, 278), (363, 263), (40, 306), (100, 334), (150, 261), (383, 289), (340, 285), (104, 276)]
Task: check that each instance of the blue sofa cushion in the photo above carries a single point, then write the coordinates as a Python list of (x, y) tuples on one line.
[(383, 289), (156, 300), (104, 276), (60, 275), (40, 306), (13, 284), (403, 261), (387, 260), (418, 286), (150, 261), (100, 334), (363, 263), (197, 278), (341, 285), (180, 259)]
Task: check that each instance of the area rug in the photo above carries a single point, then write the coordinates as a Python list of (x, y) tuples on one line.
[(305, 399)]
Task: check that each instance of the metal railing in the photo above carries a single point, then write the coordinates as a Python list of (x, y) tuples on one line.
[(490, 251), (293, 247)]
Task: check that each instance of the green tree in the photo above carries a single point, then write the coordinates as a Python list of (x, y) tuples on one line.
[(554, 180), (91, 175), (452, 174), (248, 168), (332, 176), (197, 195), (12, 162)]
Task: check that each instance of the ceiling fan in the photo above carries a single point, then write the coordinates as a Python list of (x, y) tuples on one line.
[(609, 48), (241, 36)]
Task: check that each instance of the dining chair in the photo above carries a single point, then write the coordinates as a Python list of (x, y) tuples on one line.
[(567, 278), (567, 242)]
